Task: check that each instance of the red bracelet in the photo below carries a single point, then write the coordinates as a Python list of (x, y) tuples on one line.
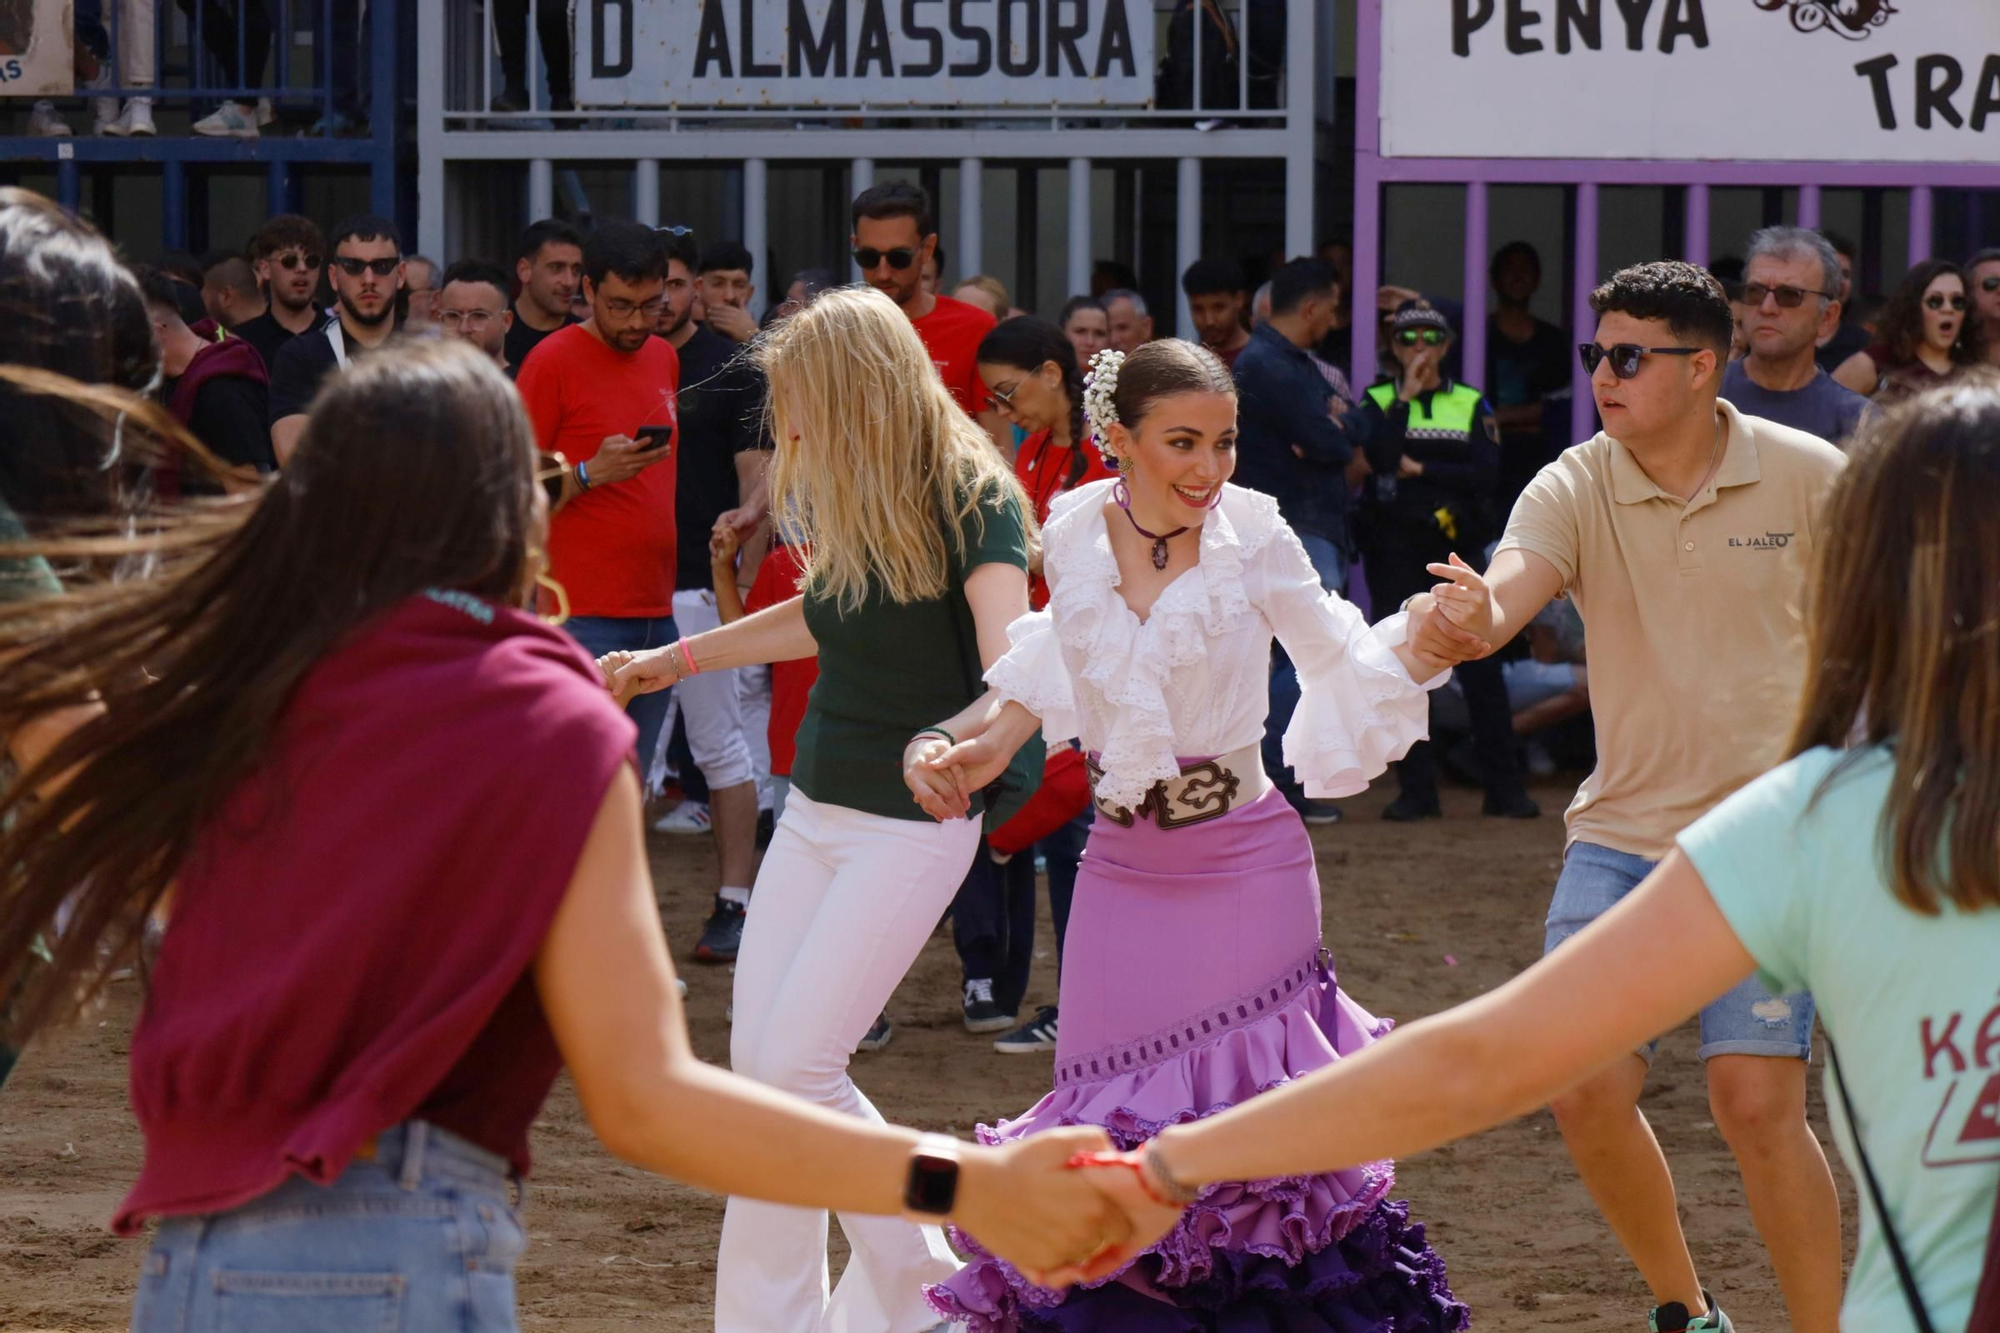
[(687, 657), (1090, 1159)]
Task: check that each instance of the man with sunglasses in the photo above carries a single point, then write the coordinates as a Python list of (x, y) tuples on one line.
[(605, 395), (1681, 532), (1433, 449), (894, 232), (286, 253), (1982, 281), (367, 274), (1788, 305)]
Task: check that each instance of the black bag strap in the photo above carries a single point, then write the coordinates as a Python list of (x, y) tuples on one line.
[(1904, 1273)]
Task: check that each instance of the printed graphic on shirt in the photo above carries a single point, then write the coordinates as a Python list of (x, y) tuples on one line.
[(1770, 541), (1966, 1130)]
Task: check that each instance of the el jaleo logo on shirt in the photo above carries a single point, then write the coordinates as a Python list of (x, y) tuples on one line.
[(1966, 1130), (1770, 541)]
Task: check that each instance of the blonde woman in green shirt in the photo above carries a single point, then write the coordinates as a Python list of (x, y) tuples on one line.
[(919, 539), (1866, 867)]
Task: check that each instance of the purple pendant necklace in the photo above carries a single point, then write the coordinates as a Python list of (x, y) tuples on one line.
[(1124, 499)]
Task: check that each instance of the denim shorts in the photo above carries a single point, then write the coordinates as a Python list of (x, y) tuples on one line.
[(1749, 1020), (421, 1239)]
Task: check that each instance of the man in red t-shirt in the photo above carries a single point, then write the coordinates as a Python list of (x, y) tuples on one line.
[(602, 393), (894, 231)]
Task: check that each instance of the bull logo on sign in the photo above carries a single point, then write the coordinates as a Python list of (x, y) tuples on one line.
[(1855, 20)]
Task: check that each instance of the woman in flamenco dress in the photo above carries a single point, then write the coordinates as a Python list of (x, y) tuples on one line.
[(1195, 977)]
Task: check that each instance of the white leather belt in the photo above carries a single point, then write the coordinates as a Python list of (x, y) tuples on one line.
[(1204, 791)]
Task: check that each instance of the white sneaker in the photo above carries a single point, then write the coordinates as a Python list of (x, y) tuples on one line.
[(265, 113), (687, 818), (137, 118), (228, 121), (44, 123)]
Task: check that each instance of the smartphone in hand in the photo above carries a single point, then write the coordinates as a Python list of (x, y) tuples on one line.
[(652, 438)]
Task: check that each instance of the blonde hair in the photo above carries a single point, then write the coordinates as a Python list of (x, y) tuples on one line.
[(991, 288), (874, 459)]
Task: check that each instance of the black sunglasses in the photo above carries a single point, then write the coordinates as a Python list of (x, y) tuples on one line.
[(1789, 298), (1938, 300), (900, 257), (353, 267), (289, 262), (1428, 337), (1625, 357)]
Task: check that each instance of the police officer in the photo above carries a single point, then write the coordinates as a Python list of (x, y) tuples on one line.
[(1433, 449)]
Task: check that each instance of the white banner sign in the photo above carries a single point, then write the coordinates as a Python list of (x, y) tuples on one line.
[(796, 53), (36, 53), (1776, 80)]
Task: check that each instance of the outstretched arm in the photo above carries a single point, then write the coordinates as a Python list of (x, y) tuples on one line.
[(1495, 1057)]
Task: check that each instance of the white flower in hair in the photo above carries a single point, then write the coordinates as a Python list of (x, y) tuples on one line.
[(1100, 389)]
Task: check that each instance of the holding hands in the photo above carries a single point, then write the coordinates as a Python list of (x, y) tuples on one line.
[(942, 774), (1452, 622), (1068, 1207)]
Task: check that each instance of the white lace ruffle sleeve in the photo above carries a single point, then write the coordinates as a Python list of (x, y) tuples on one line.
[(1358, 707), (1191, 681)]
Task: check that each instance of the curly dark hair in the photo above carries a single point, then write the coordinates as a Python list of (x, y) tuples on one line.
[(1902, 325), (1687, 298)]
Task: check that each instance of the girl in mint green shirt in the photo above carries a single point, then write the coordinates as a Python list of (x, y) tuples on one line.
[(1866, 869)]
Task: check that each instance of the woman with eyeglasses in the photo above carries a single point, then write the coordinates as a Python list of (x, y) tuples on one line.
[(1927, 335), (1433, 449), (398, 820), (916, 540)]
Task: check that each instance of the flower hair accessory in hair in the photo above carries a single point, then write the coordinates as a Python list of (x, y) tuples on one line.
[(1100, 388)]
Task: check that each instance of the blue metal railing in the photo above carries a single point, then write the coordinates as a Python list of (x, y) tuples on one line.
[(330, 64)]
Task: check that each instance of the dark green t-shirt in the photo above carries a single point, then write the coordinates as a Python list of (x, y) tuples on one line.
[(887, 670)]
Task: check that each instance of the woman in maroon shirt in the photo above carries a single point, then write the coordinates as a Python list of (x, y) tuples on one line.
[(1927, 336), (397, 823)]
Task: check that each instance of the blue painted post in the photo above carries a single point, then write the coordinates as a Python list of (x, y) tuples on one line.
[(69, 184), (1583, 409), (382, 111), (173, 204), (1472, 338), (278, 187)]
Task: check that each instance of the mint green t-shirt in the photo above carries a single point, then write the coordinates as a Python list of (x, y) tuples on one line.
[(1912, 1001)]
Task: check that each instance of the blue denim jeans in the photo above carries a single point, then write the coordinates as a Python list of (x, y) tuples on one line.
[(1749, 1020), (606, 634), (421, 1239), (1330, 563)]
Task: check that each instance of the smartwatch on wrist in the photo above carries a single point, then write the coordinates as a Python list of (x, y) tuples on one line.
[(932, 1187)]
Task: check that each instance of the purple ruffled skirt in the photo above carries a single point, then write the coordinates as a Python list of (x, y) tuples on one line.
[(1193, 979)]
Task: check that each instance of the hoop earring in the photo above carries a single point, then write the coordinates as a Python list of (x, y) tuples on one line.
[(540, 559)]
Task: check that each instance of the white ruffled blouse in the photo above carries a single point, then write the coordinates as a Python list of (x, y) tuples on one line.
[(1192, 679)]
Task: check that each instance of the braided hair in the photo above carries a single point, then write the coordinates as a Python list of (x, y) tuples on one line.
[(1025, 344)]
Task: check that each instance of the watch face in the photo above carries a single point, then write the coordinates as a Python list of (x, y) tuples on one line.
[(933, 1186)]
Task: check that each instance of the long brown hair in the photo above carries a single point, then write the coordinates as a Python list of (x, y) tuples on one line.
[(1902, 324), (1903, 637), (416, 471)]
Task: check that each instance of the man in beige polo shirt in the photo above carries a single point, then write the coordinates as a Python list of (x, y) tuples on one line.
[(1681, 533)]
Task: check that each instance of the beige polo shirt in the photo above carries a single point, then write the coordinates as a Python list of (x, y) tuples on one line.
[(1692, 619)]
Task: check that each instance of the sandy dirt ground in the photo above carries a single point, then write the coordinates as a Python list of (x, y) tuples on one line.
[(1417, 921)]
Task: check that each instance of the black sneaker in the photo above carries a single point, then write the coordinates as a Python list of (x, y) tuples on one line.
[(1518, 806), (1408, 810), (878, 1034), (1037, 1034), (1319, 813), (982, 1014), (723, 935)]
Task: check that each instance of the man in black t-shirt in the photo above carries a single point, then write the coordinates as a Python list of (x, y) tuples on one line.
[(287, 253), (722, 456), (548, 264), (1528, 364), (212, 383), (367, 274)]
